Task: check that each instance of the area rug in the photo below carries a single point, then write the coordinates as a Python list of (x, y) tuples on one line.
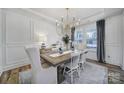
[(92, 74)]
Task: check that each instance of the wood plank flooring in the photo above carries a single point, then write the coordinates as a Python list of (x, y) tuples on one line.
[(115, 74), (12, 76)]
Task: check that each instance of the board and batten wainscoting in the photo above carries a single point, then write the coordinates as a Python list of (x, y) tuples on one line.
[(0, 42), (20, 28), (113, 40), (123, 42)]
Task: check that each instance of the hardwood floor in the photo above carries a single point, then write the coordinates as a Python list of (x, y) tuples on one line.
[(12, 76), (115, 74)]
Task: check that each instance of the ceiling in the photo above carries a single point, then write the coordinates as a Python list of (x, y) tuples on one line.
[(57, 13), (79, 13)]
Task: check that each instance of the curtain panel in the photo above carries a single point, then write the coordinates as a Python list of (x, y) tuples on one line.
[(101, 40)]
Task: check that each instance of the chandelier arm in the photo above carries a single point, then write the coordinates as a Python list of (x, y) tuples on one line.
[(65, 25), (67, 15), (58, 32)]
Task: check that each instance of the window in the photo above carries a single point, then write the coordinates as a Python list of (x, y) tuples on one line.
[(91, 39), (79, 37), (87, 35)]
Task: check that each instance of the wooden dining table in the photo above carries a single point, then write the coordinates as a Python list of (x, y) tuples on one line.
[(56, 59)]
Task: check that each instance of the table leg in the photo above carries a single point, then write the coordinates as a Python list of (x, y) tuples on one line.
[(60, 77)]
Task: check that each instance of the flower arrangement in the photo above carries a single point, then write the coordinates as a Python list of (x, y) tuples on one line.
[(66, 39)]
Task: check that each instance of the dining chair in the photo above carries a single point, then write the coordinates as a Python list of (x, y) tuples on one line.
[(40, 75), (72, 66), (82, 59)]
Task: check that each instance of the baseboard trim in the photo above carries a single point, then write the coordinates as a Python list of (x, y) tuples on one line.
[(13, 66), (1, 71), (95, 61), (122, 67)]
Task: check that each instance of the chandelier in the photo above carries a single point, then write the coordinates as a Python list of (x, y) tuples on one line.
[(66, 24)]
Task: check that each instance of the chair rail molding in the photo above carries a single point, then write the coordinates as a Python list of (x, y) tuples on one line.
[(0, 42), (123, 42), (39, 14), (16, 34), (19, 30)]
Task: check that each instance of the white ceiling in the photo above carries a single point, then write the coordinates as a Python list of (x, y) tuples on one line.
[(80, 13), (57, 13)]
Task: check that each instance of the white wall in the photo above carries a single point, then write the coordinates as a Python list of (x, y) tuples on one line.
[(49, 30), (113, 40), (91, 54), (19, 30), (0, 42), (123, 43)]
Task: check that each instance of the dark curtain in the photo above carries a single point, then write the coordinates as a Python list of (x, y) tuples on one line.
[(100, 40), (72, 35)]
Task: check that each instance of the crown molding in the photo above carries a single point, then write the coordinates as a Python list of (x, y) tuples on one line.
[(92, 18), (39, 14), (113, 13), (99, 15)]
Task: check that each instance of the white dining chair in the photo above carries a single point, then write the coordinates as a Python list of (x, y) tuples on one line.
[(72, 66), (82, 59), (40, 75)]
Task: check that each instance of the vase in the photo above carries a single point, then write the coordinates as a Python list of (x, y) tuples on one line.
[(67, 46)]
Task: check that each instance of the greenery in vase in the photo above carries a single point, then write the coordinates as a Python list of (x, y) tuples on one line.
[(66, 39)]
